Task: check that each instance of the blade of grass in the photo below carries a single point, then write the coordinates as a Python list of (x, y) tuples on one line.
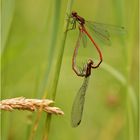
[(7, 14), (58, 67), (53, 36), (8, 8), (131, 100)]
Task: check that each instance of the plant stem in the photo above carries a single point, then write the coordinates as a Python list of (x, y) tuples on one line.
[(8, 10), (53, 37), (57, 68), (131, 99)]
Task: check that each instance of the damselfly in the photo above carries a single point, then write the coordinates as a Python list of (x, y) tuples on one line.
[(78, 104), (99, 30)]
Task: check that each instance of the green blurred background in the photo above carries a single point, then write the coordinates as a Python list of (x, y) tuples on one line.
[(31, 40)]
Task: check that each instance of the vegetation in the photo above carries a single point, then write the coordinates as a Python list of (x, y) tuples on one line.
[(36, 53)]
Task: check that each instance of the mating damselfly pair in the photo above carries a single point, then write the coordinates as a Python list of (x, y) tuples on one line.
[(103, 33)]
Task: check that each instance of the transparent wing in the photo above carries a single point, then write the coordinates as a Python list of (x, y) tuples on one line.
[(78, 104), (109, 27), (103, 35), (80, 71), (103, 31)]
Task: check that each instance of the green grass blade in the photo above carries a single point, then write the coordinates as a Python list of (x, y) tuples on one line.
[(8, 7)]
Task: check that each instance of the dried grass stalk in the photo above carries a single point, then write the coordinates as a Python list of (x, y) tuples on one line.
[(22, 103)]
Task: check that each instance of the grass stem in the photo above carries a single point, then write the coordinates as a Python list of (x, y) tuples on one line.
[(57, 68)]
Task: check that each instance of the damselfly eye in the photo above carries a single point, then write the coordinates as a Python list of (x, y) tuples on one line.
[(74, 13)]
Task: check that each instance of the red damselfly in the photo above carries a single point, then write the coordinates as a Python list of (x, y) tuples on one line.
[(99, 30)]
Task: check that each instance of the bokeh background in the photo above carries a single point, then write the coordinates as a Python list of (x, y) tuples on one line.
[(32, 33)]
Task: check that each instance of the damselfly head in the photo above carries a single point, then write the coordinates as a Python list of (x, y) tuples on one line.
[(74, 14), (90, 62)]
